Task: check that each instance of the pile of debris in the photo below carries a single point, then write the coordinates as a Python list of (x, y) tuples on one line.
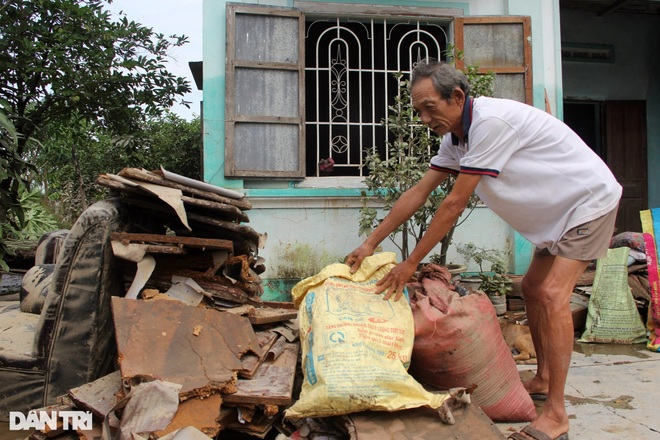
[(193, 230), (197, 346)]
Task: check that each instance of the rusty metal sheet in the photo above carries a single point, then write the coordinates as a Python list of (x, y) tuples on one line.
[(163, 340)]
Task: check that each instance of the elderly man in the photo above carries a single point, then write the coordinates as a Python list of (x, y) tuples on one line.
[(536, 174)]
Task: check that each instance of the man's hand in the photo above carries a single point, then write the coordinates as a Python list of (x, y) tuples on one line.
[(354, 259), (395, 281)]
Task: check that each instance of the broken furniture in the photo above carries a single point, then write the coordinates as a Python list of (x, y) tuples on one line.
[(198, 231), (71, 341)]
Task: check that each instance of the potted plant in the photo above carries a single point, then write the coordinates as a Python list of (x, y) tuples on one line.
[(494, 283)]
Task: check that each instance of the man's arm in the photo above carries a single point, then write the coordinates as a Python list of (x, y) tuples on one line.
[(404, 208), (448, 212)]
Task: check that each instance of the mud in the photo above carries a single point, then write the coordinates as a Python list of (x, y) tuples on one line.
[(621, 402), (635, 350)]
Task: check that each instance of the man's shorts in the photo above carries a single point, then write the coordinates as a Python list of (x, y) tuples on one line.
[(587, 241)]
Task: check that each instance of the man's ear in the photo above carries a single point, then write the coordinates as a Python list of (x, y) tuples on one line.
[(459, 95)]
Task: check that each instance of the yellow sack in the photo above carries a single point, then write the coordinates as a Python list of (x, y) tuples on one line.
[(356, 347)]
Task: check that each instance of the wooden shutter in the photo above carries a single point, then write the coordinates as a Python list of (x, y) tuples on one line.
[(502, 45), (264, 106)]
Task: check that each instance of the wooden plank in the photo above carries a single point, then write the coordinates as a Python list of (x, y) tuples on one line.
[(228, 211), (224, 208), (99, 396), (201, 413), (258, 427), (160, 340), (217, 226), (273, 382), (193, 242), (150, 177), (243, 230), (250, 361), (267, 315)]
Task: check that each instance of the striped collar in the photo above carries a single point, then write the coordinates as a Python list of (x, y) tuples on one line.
[(466, 120)]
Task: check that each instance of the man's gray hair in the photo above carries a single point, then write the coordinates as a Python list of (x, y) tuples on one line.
[(444, 76)]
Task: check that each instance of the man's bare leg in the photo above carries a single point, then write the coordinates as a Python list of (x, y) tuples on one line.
[(547, 289)]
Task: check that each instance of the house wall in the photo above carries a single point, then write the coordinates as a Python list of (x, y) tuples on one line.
[(633, 75), (324, 212)]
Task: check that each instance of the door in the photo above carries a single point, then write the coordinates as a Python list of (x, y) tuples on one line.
[(616, 131), (624, 139)]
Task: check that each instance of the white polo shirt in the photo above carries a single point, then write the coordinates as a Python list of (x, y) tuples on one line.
[(539, 176)]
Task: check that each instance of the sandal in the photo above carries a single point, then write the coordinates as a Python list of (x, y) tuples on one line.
[(534, 434)]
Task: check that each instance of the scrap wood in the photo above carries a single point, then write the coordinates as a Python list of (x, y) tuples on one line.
[(98, 396), (259, 426), (155, 340), (220, 228), (94, 434), (169, 196), (238, 268), (244, 230), (204, 414), (251, 361), (280, 305), (266, 315), (587, 278), (229, 211), (273, 382), (218, 287), (180, 241), (241, 310), (423, 422), (64, 403), (148, 176), (637, 288), (172, 196)]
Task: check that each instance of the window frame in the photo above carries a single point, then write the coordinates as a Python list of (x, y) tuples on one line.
[(461, 26), (232, 116)]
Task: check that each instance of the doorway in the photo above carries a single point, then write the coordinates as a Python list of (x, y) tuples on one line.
[(616, 131)]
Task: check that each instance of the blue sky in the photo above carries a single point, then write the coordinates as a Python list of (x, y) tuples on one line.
[(172, 17)]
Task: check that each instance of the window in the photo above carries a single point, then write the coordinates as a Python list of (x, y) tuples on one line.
[(304, 87), (349, 84)]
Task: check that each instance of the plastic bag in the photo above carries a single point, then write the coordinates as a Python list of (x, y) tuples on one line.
[(612, 315), (356, 346), (458, 343)]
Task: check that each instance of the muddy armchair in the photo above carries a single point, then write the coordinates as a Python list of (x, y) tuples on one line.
[(71, 341)]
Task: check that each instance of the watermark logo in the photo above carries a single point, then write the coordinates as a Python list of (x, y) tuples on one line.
[(81, 420)]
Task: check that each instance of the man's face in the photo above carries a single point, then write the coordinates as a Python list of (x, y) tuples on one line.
[(439, 115)]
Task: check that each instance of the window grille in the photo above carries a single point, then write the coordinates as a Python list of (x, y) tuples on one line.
[(349, 82)]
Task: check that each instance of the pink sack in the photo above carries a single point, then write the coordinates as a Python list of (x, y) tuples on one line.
[(458, 343)]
